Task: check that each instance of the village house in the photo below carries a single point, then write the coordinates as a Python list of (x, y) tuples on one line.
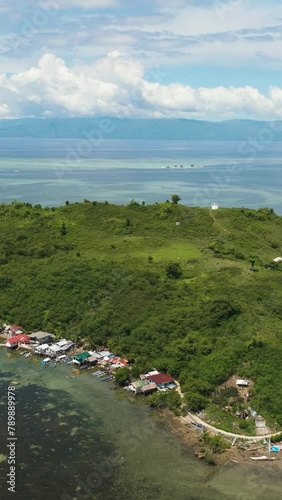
[(41, 349), (92, 360), (163, 380), (80, 359), (12, 330), (149, 389), (54, 349), (137, 386), (143, 387), (117, 362), (14, 342), (61, 347), (42, 337), (68, 346)]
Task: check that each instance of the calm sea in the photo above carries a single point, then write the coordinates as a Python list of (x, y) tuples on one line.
[(78, 438), (51, 171)]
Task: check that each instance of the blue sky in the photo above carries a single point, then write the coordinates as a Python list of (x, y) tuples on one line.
[(207, 59)]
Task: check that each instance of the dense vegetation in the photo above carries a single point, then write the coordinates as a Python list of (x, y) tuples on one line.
[(200, 300)]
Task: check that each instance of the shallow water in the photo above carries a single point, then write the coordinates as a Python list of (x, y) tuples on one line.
[(78, 438), (52, 171)]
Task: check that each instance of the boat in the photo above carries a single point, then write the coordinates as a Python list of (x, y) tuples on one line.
[(99, 373), (106, 379), (46, 361), (262, 458)]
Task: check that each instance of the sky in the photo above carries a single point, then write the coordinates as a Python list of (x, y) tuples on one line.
[(200, 59)]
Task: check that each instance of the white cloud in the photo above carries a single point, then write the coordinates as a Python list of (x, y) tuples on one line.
[(116, 86), (5, 112), (184, 32), (83, 4)]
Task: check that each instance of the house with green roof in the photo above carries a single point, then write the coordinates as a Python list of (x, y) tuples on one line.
[(81, 357)]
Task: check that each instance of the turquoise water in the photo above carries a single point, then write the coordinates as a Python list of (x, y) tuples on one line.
[(51, 171), (79, 438)]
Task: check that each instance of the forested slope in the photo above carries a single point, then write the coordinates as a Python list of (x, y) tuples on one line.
[(201, 300)]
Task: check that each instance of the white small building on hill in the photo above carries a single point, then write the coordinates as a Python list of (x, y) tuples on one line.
[(242, 383), (214, 206)]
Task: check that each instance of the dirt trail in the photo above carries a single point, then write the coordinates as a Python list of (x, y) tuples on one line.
[(217, 223), (196, 420)]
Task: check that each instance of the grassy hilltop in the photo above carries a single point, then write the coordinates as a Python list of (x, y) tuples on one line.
[(201, 300)]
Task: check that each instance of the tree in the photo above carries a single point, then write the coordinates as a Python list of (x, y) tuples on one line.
[(63, 229), (195, 401), (122, 375), (133, 203), (175, 199), (252, 262), (150, 259), (174, 271), (136, 370), (171, 400), (67, 202)]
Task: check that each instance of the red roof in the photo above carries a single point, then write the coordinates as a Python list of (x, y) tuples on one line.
[(117, 359), (161, 378), (21, 337), (113, 360), (14, 328), (123, 361)]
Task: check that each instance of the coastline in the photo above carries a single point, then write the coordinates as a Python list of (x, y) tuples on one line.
[(190, 436), (216, 448)]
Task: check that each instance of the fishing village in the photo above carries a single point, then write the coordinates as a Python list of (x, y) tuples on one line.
[(102, 364)]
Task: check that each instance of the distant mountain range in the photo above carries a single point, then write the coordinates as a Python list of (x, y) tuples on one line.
[(130, 128)]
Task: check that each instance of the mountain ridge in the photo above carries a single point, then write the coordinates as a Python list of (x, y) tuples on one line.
[(141, 128)]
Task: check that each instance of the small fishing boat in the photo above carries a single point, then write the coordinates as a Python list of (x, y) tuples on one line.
[(262, 458), (98, 373), (46, 361), (107, 379)]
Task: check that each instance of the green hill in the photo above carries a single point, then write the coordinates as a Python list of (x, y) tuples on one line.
[(200, 299)]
